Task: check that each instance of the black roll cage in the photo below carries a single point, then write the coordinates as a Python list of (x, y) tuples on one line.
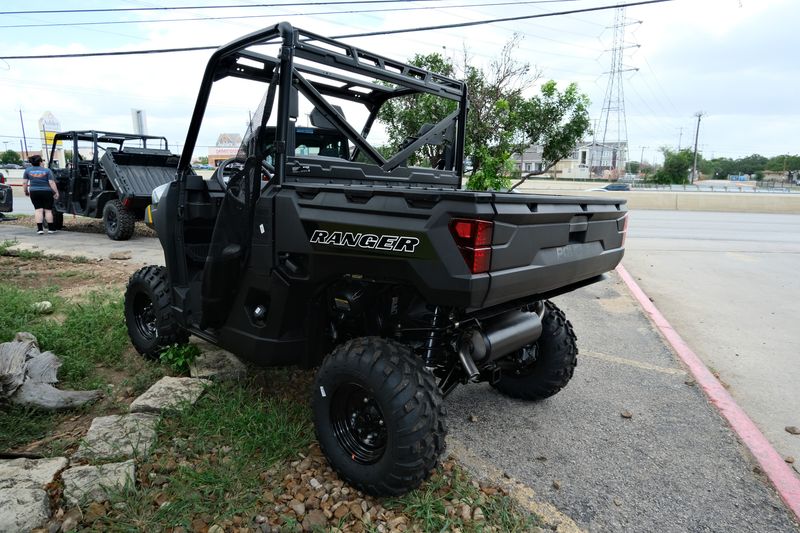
[(95, 137), (323, 51)]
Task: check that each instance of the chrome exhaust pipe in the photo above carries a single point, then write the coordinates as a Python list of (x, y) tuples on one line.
[(501, 336)]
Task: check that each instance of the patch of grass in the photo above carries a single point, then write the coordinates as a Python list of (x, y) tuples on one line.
[(5, 245), (222, 446), (92, 332), (143, 378), (29, 254), (20, 425), (73, 274), (179, 356), (436, 506)]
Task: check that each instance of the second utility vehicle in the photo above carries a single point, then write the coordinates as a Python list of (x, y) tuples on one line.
[(115, 179), (389, 277)]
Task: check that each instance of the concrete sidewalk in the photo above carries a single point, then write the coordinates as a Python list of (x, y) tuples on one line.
[(674, 465), (144, 250)]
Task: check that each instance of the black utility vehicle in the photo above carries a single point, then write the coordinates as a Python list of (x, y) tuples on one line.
[(6, 197), (115, 182), (393, 280)]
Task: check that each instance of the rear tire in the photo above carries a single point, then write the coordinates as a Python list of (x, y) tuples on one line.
[(151, 323), (118, 221), (556, 358), (379, 416), (58, 221)]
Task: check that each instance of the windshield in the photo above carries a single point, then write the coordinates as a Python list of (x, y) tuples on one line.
[(250, 135)]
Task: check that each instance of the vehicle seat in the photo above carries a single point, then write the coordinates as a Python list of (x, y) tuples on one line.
[(329, 152)]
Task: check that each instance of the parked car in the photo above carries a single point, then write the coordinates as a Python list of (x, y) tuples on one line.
[(613, 187)]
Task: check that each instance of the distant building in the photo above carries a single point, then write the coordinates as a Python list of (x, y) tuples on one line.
[(227, 147), (603, 159)]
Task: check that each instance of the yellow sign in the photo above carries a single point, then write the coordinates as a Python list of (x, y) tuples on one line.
[(48, 138)]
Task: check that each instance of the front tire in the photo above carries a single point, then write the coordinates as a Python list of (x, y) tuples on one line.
[(379, 416), (555, 356), (151, 323), (119, 222)]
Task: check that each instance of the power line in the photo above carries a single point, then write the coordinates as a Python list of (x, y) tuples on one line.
[(352, 35), (237, 17), (229, 6)]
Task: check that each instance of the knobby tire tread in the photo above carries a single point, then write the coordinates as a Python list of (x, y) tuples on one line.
[(420, 430)]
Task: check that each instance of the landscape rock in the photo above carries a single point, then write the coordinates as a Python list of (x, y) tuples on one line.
[(120, 256), (43, 308), (169, 394), (30, 473), (219, 365), (23, 509), (83, 483), (314, 520), (119, 436)]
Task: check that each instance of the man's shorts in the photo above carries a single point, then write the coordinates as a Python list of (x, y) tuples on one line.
[(42, 200)]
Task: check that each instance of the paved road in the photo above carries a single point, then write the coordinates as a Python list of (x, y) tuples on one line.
[(22, 204), (729, 283), (673, 466)]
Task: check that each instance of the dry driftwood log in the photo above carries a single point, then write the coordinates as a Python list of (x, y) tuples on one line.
[(27, 377)]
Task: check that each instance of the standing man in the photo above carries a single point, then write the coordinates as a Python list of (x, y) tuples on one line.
[(38, 183)]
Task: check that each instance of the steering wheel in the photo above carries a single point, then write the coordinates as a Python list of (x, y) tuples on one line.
[(219, 173), (266, 170)]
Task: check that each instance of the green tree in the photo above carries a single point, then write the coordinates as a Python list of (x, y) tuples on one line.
[(10, 156), (203, 160), (501, 120), (405, 116), (781, 163), (752, 164), (633, 167), (676, 168)]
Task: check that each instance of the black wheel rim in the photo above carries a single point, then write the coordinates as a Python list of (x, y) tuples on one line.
[(111, 221), (144, 316), (358, 424)]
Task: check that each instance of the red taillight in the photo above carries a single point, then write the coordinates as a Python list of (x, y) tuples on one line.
[(474, 240), (474, 233), (126, 203), (2, 179)]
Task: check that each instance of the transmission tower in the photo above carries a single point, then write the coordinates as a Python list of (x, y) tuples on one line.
[(612, 125)]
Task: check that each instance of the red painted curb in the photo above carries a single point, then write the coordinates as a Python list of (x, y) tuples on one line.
[(778, 472)]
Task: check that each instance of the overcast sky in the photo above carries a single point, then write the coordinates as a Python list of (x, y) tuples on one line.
[(735, 60)]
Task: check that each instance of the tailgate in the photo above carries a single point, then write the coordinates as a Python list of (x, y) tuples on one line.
[(542, 243), (135, 172)]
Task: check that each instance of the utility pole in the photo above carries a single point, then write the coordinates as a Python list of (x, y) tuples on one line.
[(22, 123), (641, 157), (699, 115), (680, 137)]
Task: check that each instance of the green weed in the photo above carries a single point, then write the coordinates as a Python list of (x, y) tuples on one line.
[(179, 356), (230, 437), (20, 425), (432, 509)]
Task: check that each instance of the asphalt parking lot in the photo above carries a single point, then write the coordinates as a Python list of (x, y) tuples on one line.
[(672, 465)]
